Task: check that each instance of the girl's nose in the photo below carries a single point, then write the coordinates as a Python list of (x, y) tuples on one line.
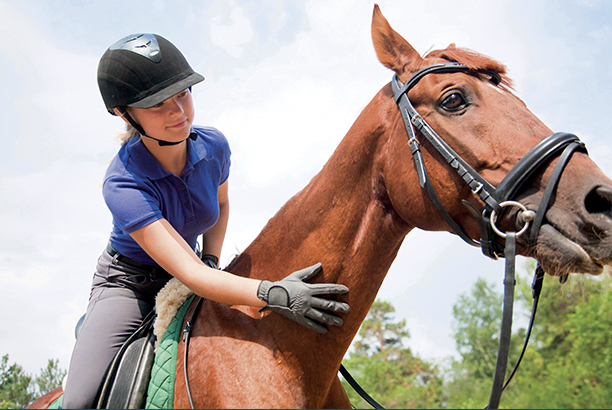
[(175, 106)]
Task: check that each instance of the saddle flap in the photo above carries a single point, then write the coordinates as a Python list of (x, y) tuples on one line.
[(131, 381)]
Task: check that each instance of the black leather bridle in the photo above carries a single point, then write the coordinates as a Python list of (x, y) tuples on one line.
[(561, 145), (493, 197)]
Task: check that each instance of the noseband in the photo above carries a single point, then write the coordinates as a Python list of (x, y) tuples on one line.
[(561, 145), (494, 198)]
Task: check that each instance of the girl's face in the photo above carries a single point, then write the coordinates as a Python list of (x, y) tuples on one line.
[(169, 120)]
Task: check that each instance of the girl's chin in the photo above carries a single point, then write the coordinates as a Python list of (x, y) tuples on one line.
[(177, 136)]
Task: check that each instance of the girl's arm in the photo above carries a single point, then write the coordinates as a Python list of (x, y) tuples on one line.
[(161, 241), (213, 238)]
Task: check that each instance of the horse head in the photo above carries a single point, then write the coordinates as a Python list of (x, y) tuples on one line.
[(473, 110)]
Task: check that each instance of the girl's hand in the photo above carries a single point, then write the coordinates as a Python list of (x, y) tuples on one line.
[(297, 300)]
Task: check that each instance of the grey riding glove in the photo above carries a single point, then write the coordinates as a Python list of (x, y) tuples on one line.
[(297, 300)]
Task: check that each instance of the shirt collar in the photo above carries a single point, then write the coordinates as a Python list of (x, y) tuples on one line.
[(150, 166)]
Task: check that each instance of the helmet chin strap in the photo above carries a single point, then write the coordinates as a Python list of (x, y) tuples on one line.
[(141, 130), (163, 143)]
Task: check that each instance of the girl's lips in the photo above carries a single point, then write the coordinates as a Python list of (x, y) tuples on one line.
[(178, 124)]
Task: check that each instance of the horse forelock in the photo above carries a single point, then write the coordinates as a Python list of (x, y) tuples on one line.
[(473, 60)]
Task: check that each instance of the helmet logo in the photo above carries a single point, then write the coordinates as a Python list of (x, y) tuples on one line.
[(144, 44)]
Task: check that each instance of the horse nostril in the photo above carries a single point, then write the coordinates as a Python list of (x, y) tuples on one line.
[(599, 201)]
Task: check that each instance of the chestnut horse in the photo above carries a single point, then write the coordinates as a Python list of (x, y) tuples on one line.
[(353, 216)]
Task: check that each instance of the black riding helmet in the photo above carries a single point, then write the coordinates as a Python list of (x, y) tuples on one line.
[(142, 70)]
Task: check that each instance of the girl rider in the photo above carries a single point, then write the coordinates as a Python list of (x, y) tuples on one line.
[(167, 185)]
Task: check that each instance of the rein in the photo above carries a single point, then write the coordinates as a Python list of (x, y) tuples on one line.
[(561, 145), (186, 337)]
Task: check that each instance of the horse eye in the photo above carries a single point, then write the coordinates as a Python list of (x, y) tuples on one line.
[(453, 102)]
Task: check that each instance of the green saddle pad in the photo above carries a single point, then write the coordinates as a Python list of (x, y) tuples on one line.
[(161, 387), (57, 403)]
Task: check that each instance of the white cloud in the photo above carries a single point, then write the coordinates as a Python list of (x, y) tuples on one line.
[(602, 33), (35, 277), (232, 37)]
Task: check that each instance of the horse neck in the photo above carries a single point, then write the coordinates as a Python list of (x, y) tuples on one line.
[(342, 219)]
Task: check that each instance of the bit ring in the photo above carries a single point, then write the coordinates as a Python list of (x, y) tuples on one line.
[(494, 218)]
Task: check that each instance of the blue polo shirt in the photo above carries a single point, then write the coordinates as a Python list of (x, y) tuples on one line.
[(139, 191)]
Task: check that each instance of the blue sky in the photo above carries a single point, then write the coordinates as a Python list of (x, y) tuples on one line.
[(284, 82)]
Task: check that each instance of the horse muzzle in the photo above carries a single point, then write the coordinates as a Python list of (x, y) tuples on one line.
[(579, 239)]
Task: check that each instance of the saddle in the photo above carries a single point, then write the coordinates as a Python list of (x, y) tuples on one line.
[(127, 380)]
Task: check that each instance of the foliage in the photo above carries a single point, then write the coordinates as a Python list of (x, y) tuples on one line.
[(567, 363), (477, 321), (15, 391), (50, 377), (18, 389), (387, 369), (379, 333)]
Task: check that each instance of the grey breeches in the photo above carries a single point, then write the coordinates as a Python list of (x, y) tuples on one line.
[(121, 296)]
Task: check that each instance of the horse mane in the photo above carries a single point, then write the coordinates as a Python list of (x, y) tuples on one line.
[(473, 60)]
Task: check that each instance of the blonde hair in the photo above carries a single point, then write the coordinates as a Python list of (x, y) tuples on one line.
[(129, 133)]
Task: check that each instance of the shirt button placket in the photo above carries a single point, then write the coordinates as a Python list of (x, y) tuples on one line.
[(186, 198)]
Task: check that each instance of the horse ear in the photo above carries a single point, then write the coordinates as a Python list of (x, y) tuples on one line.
[(392, 50)]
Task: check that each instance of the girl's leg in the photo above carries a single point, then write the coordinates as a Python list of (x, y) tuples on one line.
[(121, 297), (113, 315)]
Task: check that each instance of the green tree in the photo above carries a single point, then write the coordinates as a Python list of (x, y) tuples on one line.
[(379, 333), (590, 354), (15, 385), (476, 323), (50, 377), (387, 369), (568, 362), (18, 389)]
